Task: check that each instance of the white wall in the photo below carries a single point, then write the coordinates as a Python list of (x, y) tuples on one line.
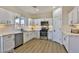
[(7, 16)]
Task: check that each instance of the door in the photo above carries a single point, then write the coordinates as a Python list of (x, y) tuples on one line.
[(57, 23)]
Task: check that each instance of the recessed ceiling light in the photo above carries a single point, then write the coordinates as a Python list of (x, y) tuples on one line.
[(54, 7), (34, 6), (37, 9)]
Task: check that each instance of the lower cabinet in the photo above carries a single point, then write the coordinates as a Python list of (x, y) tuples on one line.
[(74, 44), (37, 34), (7, 43), (66, 42), (50, 35), (26, 37), (71, 43), (29, 35)]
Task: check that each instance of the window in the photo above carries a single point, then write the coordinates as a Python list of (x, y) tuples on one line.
[(22, 21), (17, 21)]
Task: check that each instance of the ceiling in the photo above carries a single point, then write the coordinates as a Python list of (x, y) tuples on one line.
[(31, 11)]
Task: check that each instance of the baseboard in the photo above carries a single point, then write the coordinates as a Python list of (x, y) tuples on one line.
[(65, 49), (18, 46)]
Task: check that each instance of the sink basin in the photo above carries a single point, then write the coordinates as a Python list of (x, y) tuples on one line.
[(76, 31)]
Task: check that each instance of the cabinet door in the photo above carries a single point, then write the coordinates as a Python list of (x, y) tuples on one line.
[(30, 35), (78, 15), (0, 44), (8, 42), (66, 42), (74, 44), (75, 15), (50, 34), (37, 34), (26, 36), (70, 18), (33, 33)]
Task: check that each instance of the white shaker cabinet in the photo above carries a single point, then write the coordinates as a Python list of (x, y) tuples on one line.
[(73, 16), (37, 34), (50, 35), (31, 35), (7, 43), (66, 42), (71, 43), (26, 37), (70, 16), (34, 34), (74, 44)]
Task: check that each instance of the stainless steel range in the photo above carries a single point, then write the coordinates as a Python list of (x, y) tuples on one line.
[(44, 30)]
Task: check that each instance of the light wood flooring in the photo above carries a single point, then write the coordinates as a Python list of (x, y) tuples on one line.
[(40, 46)]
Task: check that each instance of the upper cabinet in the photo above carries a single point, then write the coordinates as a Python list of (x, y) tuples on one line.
[(74, 16)]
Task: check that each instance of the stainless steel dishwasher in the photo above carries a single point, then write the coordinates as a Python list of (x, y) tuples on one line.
[(18, 39)]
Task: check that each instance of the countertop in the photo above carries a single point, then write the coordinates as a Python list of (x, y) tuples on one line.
[(2, 33), (6, 30), (11, 29), (71, 34), (67, 31)]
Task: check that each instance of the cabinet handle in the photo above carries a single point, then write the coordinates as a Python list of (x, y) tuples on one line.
[(65, 37), (9, 36), (54, 30)]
